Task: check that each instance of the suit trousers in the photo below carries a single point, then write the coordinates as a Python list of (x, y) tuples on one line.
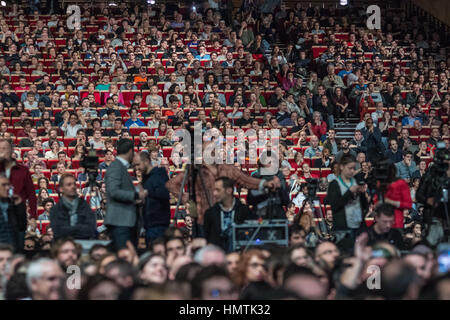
[(120, 236)]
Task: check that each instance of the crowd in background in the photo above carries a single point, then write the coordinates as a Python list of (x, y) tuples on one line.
[(132, 75)]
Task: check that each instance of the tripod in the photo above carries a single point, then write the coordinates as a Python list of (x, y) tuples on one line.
[(191, 170), (442, 196), (92, 189)]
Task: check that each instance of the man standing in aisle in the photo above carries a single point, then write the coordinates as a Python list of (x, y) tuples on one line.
[(21, 181), (122, 197), (156, 212)]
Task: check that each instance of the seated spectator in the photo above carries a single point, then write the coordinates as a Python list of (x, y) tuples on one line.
[(408, 122), (407, 167), (72, 216), (314, 150), (317, 126), (48, 205), (71, 125), (394, 154)]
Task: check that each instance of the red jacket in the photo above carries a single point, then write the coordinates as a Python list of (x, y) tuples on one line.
[(23, 186), (319, 131), (399, 191)]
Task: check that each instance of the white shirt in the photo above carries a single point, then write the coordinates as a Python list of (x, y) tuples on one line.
[(123, 161), (70, 131)]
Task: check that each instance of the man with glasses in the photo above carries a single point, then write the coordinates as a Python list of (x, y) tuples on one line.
[(71, 125), (27, 142)]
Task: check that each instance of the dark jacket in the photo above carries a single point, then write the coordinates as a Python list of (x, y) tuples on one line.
[(212, 224), (17, 222), (338, 202), (276, 200), (394, 237), (157, 207), (373, 142), (394, 157), (60, 221)]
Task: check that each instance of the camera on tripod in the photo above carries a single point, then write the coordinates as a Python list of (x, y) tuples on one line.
[(90, 163), (379, 173), (312, 186), (441, 158)]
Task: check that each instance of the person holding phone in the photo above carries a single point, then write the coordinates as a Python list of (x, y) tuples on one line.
[(348, 202)]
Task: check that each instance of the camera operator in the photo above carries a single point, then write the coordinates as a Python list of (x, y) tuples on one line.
[(269, 204), (204, 184), (430, 192), (348, 202)]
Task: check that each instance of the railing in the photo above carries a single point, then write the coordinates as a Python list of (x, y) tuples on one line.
[(438, 25)]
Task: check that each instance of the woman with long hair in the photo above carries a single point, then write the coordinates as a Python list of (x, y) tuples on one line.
[(42, 195), (251, 268), (305, 219), (162, 129), (341, 104), (348, 202), (43, 183), (79, 152), (174, 90)]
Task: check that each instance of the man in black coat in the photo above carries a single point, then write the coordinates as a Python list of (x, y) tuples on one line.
[(72, 216), (13, 216), (220, 217), (382, 229), (156, 213)]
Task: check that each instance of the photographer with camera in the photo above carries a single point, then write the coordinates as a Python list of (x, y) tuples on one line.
[(269, 205), (433, 189), (348, 202)]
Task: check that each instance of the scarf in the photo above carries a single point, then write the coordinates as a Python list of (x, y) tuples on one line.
[(4, 205), (72, 206)]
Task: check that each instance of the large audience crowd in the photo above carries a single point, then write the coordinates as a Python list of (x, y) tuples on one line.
[(140, 72)]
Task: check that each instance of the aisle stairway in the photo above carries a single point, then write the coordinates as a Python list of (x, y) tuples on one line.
[(346, 130)]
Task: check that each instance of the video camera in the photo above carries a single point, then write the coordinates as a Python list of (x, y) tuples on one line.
[(379, 173), (441, 158), (90, 163), (312, 186)]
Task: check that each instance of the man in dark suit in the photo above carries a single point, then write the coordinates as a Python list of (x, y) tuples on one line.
[(122, 197), (227, 210), (156, 212), (72, 216)]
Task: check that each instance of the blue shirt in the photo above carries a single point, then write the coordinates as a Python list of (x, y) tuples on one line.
[(131, 123), (205, 57), (408, 121), (311, 152)]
